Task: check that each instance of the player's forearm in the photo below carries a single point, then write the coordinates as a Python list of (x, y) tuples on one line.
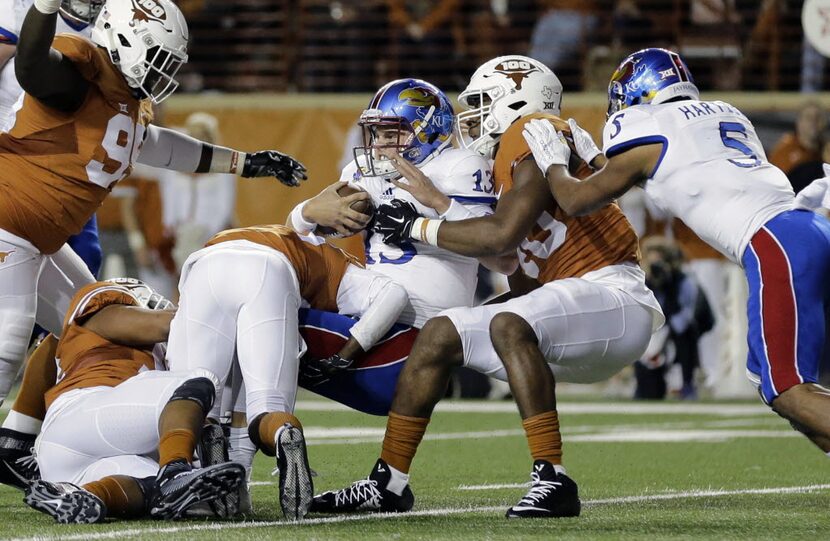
[(169, 149), (479, 237), (383, 305), (575, 197), (131, 325), (6, 53), (502, 264)]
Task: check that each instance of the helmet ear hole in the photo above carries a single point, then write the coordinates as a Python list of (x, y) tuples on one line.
[(123, 40), (517, 105)]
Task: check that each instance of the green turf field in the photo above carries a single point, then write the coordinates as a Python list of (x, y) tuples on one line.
[(645, 471)]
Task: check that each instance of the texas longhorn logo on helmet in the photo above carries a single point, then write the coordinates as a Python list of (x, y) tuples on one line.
[(517, 70), (148, 10)]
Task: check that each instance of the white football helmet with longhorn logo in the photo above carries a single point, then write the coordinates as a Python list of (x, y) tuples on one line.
[(501, 91), (147, 41)]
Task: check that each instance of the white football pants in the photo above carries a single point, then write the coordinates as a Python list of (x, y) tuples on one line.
[(91, 433), (588, 330), (239, 302), (33, 287)]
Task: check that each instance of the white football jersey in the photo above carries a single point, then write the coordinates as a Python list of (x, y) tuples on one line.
[(435, 279), (713, 173), (12, 13), (817, 194)]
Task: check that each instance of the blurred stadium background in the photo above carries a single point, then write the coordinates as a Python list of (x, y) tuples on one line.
[(295, 74)]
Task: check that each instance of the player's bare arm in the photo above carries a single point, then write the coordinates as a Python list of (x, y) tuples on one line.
[(6, 53), (131, 325), (42, 71), (493, 235), (422, 188), (579, 197), (330, 209)]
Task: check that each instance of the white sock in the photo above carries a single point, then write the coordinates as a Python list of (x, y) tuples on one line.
[(242, 449), (397, 482), (22, 423), (559, 469)]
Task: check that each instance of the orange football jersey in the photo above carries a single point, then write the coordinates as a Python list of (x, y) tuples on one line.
[(56, 168), (319, 266), (561, 246), (84, 358)]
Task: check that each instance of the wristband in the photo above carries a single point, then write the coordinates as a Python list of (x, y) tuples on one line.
[(47, 7), (299, 222), (426, 230)]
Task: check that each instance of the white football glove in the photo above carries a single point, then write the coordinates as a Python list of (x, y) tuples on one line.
[(548, 145), (583, 143)]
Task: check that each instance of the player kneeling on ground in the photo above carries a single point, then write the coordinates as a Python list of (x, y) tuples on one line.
[(240, 297), (111, 410)]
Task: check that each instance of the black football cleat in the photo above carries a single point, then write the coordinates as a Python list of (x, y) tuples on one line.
[(368, 494), (179, 487), (296, 486), (212, 449), (18, 466), (65, 502), (551, 494)]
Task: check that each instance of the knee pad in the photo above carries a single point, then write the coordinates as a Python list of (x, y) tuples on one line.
[(200, 390)]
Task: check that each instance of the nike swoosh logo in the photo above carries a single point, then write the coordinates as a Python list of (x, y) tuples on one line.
[(55, 502), (397, 220)]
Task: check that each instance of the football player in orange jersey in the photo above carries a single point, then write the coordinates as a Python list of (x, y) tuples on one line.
[(590, 315), (84, 121), (111, 411), (240, 297)]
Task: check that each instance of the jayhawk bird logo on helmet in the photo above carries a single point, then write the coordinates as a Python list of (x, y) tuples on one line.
[(418, 111), (650, 76)]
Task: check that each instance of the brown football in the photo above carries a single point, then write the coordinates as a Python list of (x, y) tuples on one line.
[(364, 207)]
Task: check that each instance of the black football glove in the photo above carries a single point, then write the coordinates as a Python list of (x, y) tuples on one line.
[(394, 221), (316, 371), (270, 163)]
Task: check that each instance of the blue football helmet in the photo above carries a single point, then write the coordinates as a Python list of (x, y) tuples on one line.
[(650, 76), (419, 115)]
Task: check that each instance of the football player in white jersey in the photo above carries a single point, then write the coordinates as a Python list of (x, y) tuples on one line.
[(703, 162), (407, 131), (816, 196)]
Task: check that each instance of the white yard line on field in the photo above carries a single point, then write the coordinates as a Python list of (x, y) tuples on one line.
[(218, 526), (602, 434), (573, 408)]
